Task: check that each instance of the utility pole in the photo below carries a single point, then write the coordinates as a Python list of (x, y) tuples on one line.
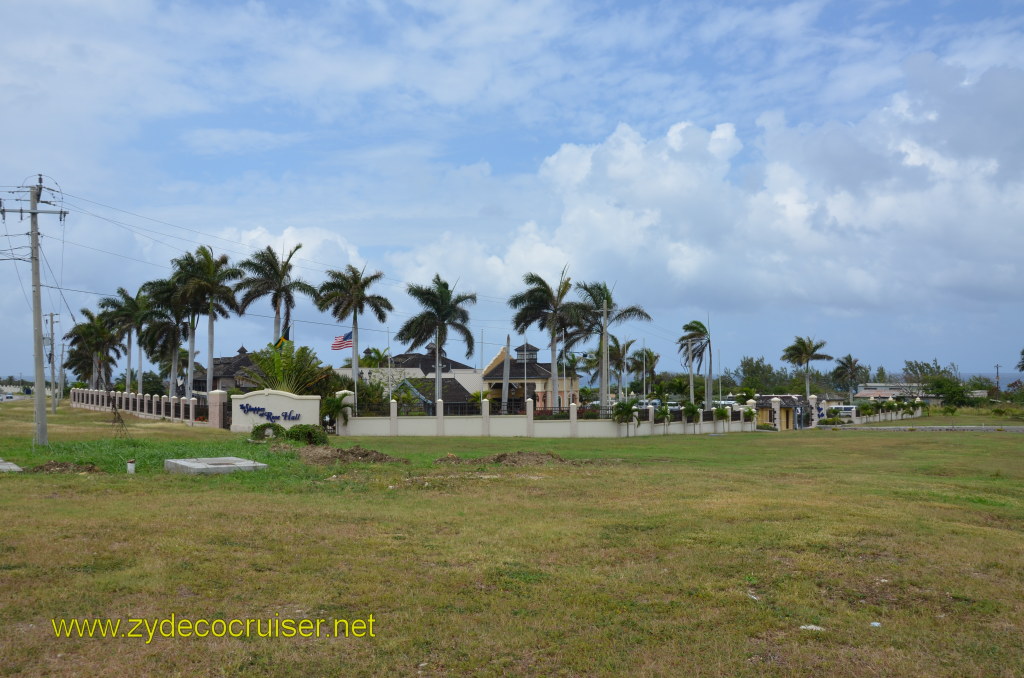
[(997, 376), (53, 368), (35, 197), (37, 318), (60, 389)]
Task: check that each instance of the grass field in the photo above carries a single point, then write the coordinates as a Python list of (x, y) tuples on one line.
[(692, 555), (965, 416)]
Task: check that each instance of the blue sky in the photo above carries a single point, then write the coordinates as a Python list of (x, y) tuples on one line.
[(853, 171)]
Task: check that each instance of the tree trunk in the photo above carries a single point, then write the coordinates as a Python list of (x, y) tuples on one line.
[(191, 364), (209, 349), (128, 371), (807, 382), (554, 369), (437, 369), (277, 323), (355, 359), (139, 368)]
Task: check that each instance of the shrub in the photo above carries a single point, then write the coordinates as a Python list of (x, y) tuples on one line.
[(765, 427), (267, 430), (307, 433), (749, 414), (721, 413), (832, 421)]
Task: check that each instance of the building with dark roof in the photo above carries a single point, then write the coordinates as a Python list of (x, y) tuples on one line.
[(227, 373), (528, 378)]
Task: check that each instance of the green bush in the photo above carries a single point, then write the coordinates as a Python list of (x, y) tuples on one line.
[(832, 421), (721, 413), (307, 433), (765, 427), (267, 430)]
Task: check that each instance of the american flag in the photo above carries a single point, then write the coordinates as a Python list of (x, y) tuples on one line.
[(342, 342)]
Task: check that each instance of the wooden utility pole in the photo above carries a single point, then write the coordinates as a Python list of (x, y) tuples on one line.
[(37, 318), (34, 198)]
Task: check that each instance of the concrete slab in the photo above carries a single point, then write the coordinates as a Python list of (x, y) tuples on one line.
[(211, 465), (8, 467)]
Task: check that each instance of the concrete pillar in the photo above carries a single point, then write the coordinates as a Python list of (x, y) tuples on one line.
[(529, 417), (147, 403), (752, 406), (163, 406), (192, 403), (485, 417), (439, 416), (215, 400), (175, 416), (814, 410), (650, 420), (393, 414), (574, 421), (777, 411)]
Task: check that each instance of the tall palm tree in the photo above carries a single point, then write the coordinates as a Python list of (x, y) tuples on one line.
[(347, 293), (94, 348), (271, 276), (595, 296), (128, 314), (697, 337), (848, 373), (205, 288), (546, 306), (801, 353), (442, 309), (164, 328), (618, 353)]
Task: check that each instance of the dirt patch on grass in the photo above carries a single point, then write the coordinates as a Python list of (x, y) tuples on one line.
[(520, 458), (325, 456), (64, 467)]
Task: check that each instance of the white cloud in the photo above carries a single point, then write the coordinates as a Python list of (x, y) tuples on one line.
[(216, 141)]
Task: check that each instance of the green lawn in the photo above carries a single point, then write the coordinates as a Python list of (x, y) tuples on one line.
[(966, 416), (657, 556)]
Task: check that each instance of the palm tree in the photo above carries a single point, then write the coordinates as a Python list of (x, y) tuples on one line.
[(204, 286), (848, 373), (545, 306), (617, 356), (642, 363), (695, 344), (269, 276), (801, 353), (372, 357), (94, 348), (595, 296), (442, 308), (164, 328), (346, 293), (128, 314)]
